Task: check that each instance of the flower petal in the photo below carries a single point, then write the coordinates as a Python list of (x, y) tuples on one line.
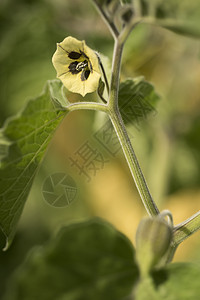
[(69, 51)]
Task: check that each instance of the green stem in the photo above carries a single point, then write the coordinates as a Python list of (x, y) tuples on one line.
[(122, 133), (128, 28), (137, 8), (112, 109), (88, 105), (182, 232), (116, 64), (185, 229), (106, 19), (133, 163)]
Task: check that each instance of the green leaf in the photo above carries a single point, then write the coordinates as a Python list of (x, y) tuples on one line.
[(89, 260), (176, 281), (137, 98), (57, 92), (24, 139)]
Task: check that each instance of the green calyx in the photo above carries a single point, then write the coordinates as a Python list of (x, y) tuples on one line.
[(153, 239)]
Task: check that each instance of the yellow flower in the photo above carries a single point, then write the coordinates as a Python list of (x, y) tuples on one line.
[(77, 66)]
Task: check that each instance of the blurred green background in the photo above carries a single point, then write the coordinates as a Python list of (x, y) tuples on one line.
[(167, 143)]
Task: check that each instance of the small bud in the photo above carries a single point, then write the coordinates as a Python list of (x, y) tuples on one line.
[(127, 13), (153, 239)]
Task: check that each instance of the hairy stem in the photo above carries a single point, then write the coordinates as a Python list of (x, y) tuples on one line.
[(116, 64), (133, 163), (121, 132), (106, 19), (88, 105), (185, 229), (128, 28)]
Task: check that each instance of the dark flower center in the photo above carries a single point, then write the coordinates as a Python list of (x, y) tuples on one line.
[(75, 67), (82, 65)]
